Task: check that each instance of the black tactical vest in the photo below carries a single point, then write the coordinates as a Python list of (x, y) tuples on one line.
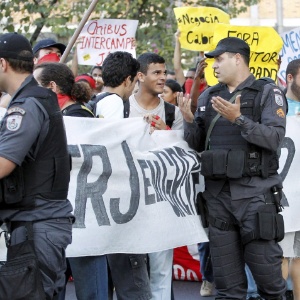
[(46, 176), (226, 136)]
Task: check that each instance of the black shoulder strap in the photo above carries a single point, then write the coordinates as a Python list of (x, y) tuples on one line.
[(92, 104), (213, 122), (77, 107), (260, 83), (101, 96), (169, 113), (126, 110)]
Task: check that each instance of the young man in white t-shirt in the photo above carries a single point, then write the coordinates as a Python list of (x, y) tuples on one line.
[(119, 74), (147, 102), (119, 71)]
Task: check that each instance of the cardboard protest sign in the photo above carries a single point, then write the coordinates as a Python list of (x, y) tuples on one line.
[(290, 50), (265, 44), (197, 24), (100, 37)]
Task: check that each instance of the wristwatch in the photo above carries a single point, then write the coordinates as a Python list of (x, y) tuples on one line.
[(240, 120)]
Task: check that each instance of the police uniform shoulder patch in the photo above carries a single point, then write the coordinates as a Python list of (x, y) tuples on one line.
[(279, 99), (16, 109), (13, 122), (280, 113)]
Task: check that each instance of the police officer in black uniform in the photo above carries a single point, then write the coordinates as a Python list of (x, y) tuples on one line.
[(34, 163), (238, 127)]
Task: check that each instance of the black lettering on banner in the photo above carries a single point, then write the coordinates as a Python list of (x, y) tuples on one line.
[(93, 190), (175, 188), (186, 159), (156, 178), (117, 216), (177, 183), (289, 144), (74, 150), (149, 198)]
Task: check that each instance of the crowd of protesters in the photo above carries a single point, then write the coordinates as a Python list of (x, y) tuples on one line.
[(235, 261)]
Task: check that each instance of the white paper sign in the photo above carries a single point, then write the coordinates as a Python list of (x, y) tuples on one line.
[(290, 51), (100, 37)]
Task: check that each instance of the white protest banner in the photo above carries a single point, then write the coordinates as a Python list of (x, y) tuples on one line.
[(289, 170), (290, 50), (132, 192), (100, 37)]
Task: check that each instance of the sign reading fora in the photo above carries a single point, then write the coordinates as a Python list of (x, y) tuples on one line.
[(263, 58)]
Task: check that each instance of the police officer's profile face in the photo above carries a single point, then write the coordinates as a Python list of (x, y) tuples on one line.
[(225, 67)]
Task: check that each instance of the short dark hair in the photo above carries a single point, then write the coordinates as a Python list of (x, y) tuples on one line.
[(245, 58), (21, 66), (293, 68), (63, 76), (117, 66), (173, 85), (148, 58)]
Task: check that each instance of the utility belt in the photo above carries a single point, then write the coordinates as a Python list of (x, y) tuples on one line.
[(269, 223), (235, 164)]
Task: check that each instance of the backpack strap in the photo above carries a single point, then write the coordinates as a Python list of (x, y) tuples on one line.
[(92, 104), (78, 108), (215, 119), (126, 110), (169, 113)]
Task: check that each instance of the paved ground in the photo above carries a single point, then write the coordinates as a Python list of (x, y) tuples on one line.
[(182, 291)]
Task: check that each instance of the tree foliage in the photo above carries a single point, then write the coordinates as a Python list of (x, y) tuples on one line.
[(156, 29)]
